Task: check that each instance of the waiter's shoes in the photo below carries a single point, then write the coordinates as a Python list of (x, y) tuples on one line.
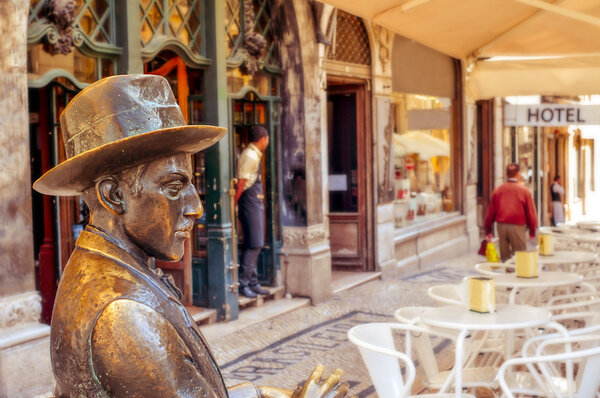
[(258, 289), (247, 291)]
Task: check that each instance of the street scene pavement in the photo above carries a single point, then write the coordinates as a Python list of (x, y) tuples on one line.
[(282, 351)]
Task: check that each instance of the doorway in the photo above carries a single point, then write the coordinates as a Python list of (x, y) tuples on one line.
[(350, 176), (57, 221), (248, 111)]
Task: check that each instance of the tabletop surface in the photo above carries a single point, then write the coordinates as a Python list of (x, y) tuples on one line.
[(544, 279), (506, 317), (591, 237), (564, 257)]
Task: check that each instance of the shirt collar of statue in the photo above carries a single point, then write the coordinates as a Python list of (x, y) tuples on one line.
[(255, 149), (111, 247)]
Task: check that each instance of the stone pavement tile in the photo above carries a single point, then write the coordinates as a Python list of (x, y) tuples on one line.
[(282, 351)]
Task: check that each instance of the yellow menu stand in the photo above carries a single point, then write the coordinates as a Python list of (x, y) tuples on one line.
[(546, 245), (526, 264), (482, 295)]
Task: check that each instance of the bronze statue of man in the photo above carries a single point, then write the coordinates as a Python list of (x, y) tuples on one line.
[(118, 327)]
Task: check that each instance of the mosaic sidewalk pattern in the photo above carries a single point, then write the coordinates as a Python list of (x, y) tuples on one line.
[(282, 351)]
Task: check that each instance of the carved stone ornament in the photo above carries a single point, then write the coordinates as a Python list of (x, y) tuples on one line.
[(61, 14), (20, 309), (384, 41), (304, 236), (385, 186), (254, 43)]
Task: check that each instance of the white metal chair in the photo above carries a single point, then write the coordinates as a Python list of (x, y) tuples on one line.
[(555, 374), (378, 351)]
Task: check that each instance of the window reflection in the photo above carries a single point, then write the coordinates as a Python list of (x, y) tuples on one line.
[(84, 68), (422, 158)]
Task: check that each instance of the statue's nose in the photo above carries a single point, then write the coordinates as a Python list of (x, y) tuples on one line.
[(193, 207)]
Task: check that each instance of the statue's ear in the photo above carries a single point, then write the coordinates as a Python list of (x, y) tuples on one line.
[(110, 195)]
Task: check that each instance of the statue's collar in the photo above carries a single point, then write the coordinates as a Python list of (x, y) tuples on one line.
[(97, 240)]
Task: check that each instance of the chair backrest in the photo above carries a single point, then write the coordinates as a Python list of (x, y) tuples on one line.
[(561, 377), (410, 314), (449, 294), (375, 342)]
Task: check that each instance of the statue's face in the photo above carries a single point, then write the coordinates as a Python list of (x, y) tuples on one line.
[(161, 217)]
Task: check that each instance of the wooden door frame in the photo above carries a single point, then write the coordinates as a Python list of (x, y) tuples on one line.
[(341, 85)]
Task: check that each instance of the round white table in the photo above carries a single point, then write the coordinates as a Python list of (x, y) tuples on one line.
[(592, 237), (564, 257), (591, 225), (507, 317), (545, 279)]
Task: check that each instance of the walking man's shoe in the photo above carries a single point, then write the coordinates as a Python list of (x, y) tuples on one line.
[(247, 291), (259, 289)]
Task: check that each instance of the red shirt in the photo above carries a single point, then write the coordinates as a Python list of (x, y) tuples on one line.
[(511, 203)]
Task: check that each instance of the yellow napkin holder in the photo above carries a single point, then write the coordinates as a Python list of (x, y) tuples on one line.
[(482, 295), (526, 264), (546, 245)]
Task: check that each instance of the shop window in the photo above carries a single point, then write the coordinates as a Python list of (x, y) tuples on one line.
[(86, 51), (92, 20), (263, 83), (422, 158), (181, 20), (351, 43), (84, 68)]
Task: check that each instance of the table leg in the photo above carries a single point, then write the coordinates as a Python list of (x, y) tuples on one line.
[(458, 362)]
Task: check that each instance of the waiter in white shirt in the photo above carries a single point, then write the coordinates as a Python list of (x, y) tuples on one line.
[(557, 192), (249, 197)]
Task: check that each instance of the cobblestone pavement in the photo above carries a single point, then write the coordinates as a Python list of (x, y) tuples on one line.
[(282, 351)]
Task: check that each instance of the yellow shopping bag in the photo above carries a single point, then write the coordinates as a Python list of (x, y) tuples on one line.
[(491, 254)]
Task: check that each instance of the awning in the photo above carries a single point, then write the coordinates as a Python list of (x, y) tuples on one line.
[(549, 47)]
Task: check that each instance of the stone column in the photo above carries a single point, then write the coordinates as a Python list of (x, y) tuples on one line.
[(307, 261), (383, 128), (470, 188), (24, 343)]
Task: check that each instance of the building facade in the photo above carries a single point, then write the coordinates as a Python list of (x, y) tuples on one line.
[(372, 164)]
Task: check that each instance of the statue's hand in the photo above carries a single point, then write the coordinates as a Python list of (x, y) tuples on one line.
[(331, 387)]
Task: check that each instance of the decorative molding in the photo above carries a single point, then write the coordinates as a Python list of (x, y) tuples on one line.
[(20, 309), (304, 236), (386, 190), (383, 40), (161, 42), (61, 14), (254, 43)]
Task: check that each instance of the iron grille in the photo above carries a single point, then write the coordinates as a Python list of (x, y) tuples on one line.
[(235, 26), (181, 20), (351, 40), (95, 20)]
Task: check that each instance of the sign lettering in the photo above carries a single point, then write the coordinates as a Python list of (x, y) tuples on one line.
[(551, 115)]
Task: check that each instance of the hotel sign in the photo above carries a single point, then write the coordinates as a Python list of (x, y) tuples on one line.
[(551, 115)]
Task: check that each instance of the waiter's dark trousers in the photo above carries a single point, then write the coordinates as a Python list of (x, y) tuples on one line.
[(251, 212)]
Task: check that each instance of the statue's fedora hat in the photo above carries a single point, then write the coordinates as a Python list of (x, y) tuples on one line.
[(117, 123)]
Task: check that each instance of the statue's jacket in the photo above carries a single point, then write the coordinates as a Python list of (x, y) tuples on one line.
[(120, 330)]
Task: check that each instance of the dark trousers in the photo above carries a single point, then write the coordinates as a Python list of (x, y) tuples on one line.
[(251, 213), (248, 275), (512, 238)]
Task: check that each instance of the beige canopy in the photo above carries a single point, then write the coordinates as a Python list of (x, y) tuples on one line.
[(511, 47)]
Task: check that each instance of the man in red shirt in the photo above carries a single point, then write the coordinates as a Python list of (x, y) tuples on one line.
[(512, 208)]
